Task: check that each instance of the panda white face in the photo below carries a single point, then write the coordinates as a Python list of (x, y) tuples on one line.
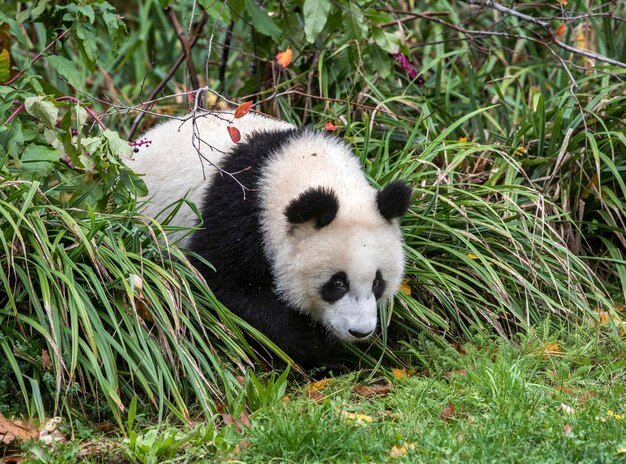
[(337, 266), (332, 240), (363, 267)]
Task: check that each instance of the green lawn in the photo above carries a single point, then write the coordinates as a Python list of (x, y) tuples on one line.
[(542, 398)]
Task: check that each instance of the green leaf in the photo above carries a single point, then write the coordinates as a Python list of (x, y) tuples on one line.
[(315, 16), (42, 109), (119, 147), (5, 65), (262, 21), (80, 116), (34, 153), (386, 40), (70, 70), (352, 26)]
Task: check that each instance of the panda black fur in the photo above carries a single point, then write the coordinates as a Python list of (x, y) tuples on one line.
[(304, 248)]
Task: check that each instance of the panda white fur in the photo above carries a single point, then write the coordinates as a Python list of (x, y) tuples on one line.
[(303, 247)]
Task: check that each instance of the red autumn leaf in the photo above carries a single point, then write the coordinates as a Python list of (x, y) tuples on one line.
[(284, 58), (561, 29), (243, 109), (329, 126), (447, 413), (235, 136)]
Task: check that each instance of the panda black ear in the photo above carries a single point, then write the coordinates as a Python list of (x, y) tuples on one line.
[(317, 203), (394, 200)]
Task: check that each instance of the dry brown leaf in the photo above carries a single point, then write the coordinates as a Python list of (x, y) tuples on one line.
[(561, 29), (374, 390), (316, 396), (46, 362), (447, 413), (243, 109), (10, 431)]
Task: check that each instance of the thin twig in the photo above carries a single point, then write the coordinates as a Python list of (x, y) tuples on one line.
[(151, 98), (184, 42), (546, 26)]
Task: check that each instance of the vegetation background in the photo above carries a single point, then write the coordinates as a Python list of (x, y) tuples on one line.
[(508, 121)]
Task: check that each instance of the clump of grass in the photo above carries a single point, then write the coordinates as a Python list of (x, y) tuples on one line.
[(95, 308)]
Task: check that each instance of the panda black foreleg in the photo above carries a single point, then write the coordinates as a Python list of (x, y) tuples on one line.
[(296, 334)]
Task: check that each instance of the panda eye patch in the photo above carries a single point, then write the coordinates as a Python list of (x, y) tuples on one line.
[(378, 285), (335, 288)]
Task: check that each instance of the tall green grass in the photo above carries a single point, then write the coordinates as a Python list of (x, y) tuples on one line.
[(96, 308)]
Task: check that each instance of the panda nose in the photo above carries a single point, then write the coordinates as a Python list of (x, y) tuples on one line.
[(357, 334)]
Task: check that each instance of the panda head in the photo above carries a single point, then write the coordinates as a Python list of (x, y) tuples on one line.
[(345, 258)]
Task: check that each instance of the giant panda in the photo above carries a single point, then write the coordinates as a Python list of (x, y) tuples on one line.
[(303, 247)]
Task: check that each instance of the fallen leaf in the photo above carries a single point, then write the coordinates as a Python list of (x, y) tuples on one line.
[(447, 413), (235, 136), (472, 256), (316, 396), (284, 58), (374, 390), (319, 385), (620, 450), (359, 419), (243, 109), (459, 348), (10, 431), (329, 126), (399, 451), (401, 373), (567, 430), (561, 29), (552, 349), (567, 409)]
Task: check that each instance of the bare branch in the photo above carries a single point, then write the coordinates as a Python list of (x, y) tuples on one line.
[(546, 27)]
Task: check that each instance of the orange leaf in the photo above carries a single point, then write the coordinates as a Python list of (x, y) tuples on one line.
[(235, 136), (561, 29), (552, 349), (329, 126), (319, 385), (405, 287), (284, 58), (401, 373), (243, 109)]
